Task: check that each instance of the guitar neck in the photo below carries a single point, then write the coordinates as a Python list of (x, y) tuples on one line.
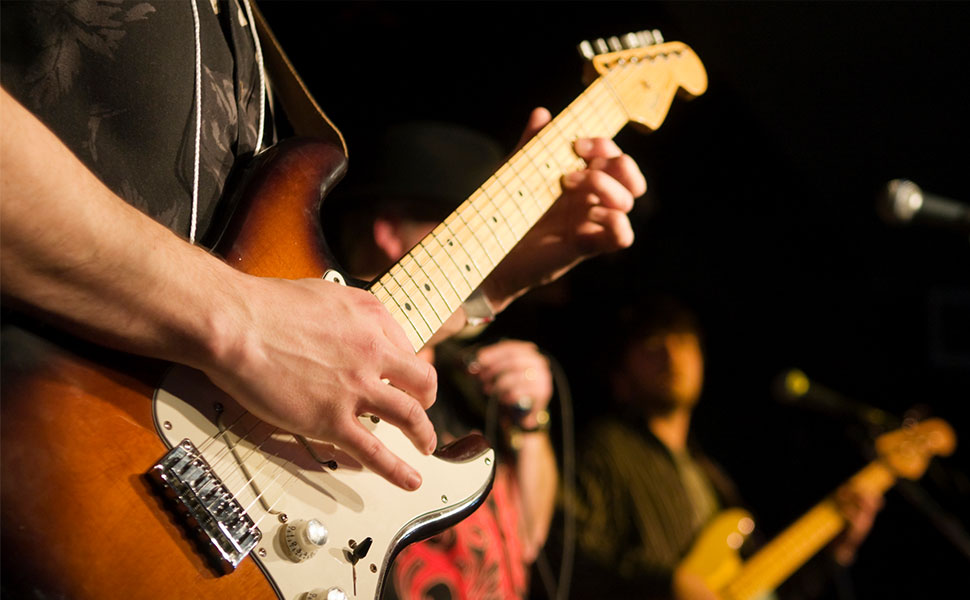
[(781, 557), (429, 284)]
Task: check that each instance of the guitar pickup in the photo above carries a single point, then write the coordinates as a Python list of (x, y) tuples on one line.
[(206, 505)]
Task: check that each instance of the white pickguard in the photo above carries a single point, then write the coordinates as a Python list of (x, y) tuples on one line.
[(352, 502)]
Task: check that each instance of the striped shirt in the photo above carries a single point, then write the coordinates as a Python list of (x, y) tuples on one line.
[(638, 507)]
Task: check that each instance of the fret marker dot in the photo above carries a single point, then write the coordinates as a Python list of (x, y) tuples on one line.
[(520, 193), (468, 268), (407, 306), (450, 243), (427, 287), (494, 219)]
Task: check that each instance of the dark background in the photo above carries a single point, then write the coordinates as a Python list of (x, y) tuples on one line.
[(760, 215)]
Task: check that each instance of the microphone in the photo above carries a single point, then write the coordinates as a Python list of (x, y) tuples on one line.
[(794, 388), (903, 202)]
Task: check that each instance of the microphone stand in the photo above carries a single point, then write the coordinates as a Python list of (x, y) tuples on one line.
[(944, 522), (915, 494)]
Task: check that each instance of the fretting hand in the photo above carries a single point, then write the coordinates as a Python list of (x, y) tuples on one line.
[(589, 218)]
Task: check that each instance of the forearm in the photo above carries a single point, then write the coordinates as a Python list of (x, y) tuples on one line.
[(75, 253), (307, 355), (538, 478)]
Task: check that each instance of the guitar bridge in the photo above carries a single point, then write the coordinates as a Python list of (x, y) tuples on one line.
[(207, 505)]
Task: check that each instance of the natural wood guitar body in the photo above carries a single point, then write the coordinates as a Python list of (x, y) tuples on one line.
[(715, 556), (83, 425)]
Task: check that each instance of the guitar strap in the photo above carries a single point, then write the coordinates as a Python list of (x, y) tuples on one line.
[(301, 109)]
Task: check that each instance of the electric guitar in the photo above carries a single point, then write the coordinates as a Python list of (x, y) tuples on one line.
[(116, 485), (714, 557)]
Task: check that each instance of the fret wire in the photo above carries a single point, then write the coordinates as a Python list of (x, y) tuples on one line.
[(529, 219), (469, 242), (602, 106), (487, 203), (414, 305), (585, 111), (429, 284), (498, 208), (399, 311), (532, 192), (461, 248), (474, 232), (549, 185), (413, 278), (493, 235), (543, 142), (572, 160), (451, 255), (491, 220), (518, 165), (506, 199), (553, 145), (554, 185), (581, 130), (509, 219), (597, 105), (447, 279), (455, 282)]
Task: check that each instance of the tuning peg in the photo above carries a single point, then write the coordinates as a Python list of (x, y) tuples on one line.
[(638, 39), (649, 37)]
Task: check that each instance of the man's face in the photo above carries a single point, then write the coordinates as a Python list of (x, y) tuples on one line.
[(665, 370)]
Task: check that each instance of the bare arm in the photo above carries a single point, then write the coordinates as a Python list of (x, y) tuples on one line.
[(511, 371), (74, 253)]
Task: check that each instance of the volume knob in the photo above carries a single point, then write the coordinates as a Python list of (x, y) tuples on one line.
[(303, 538)]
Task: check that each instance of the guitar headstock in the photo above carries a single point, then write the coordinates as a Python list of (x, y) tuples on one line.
[(645, 73), (908, 450)]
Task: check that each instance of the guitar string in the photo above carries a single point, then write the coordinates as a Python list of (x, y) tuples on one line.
[(226, 448), (427, 301), (544, 182), (415, 266), (276, 476), (587, 106), (224, 451)]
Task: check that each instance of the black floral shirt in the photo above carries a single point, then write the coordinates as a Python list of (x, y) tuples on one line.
[(115, 80)]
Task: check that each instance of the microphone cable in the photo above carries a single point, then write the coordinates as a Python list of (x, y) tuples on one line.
[(558, 588)]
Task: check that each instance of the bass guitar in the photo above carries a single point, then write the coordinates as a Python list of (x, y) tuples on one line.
[(126, 478), (714, 557)]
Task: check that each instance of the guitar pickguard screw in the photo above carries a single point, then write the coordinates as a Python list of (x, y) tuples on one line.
[(283, 518), (261, 552), (218, 407), (444, 499), (373, 568), (375, 419), (488, 461), (167, 424), (334, 277), (352, 544)]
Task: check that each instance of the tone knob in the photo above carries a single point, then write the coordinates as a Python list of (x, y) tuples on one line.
[(333, 593), (303, 538)]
